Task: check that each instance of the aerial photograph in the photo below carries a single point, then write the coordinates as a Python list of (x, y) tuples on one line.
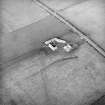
[(52, 52)]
